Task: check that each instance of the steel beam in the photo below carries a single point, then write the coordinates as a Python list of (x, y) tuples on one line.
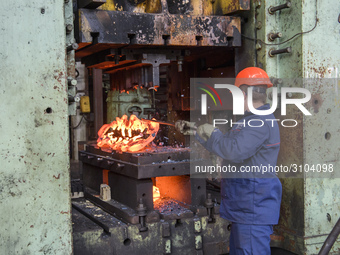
[(128, 28), (134, 170), (159, 155)]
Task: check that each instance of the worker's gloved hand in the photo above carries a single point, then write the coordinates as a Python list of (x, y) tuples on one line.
[(186, 127), (205, 131)]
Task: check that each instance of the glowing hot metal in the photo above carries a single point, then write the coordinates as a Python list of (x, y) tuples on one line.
[(127, 135)]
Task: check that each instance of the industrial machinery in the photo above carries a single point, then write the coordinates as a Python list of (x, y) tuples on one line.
[(156, 46), (149, 50), (155, 205), (116, 58)]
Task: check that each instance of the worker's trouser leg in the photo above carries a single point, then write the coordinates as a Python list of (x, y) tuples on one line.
[(250, 239)]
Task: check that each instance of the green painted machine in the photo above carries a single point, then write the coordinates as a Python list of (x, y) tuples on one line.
[(132, 102), (308, 37)]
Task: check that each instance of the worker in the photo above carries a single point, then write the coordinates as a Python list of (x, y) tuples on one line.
[(250, 201)]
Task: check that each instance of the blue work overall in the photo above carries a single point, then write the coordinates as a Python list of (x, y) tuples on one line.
[(251, 201)]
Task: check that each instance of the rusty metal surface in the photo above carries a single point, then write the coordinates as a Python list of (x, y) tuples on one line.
[(94, 233), (166, 168), (310, 206), (140, 6), (88, 237), (120, 210), (190, 236), (291, 224), (245, 56), (170, 208), (113, 58), (127, 28), (127, 66), (184, 7), (160, 154), (290, 230), (160, 161), (225, 7), (103, 59), (131, 182)]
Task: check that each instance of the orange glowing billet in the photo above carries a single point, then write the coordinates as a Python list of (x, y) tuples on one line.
[(127, 135)]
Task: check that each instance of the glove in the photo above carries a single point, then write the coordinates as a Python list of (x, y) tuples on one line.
[(186, 127), (205, 131)]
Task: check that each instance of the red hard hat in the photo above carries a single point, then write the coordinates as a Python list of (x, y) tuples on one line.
[(253, 76)]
